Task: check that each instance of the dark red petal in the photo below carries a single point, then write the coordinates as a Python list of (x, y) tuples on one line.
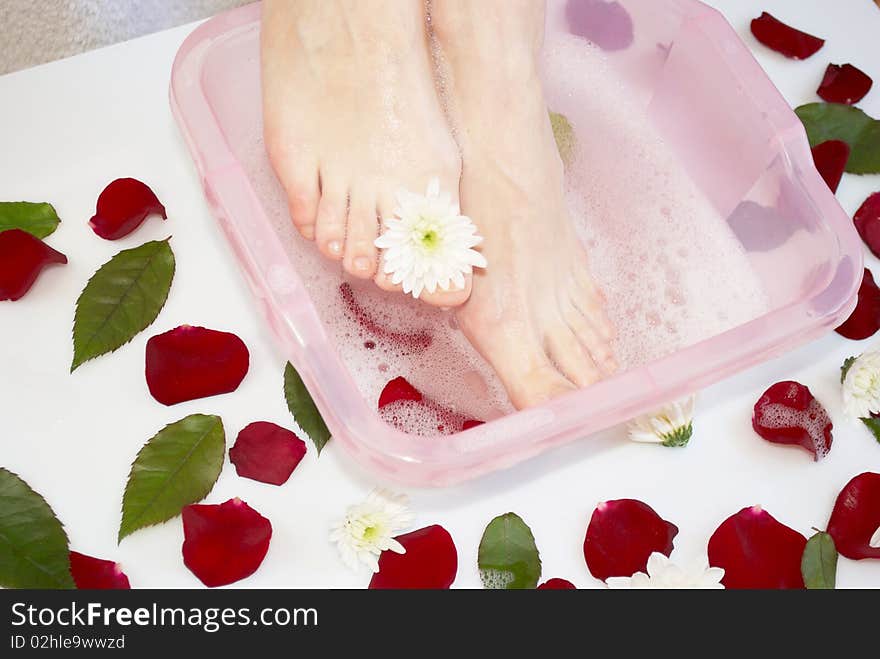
[(787, 413), (398, 389), (122, 206), (757, 551), (412, 342), (91, 573), (784, 39), (400, 403), (557, 584), (224, 543), (430, 561), (22, 258), (856, 517), (471, 423), (865, 319), (606, 24), (867, 221), (844, 84), (830, 158), (194, 362), (622, 535), (266, 452)]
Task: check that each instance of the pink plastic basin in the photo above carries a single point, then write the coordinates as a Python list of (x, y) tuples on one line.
[(736, 137)]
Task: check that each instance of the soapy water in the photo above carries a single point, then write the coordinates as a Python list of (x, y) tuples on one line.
[(670, 267)]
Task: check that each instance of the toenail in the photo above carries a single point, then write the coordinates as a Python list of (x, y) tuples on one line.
[(362, 263), (308, 232), (334, 247)]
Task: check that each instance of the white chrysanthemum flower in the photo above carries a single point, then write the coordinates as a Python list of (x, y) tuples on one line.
[(671, 425), (861, 385), (368, 528), (429, 244), (663, 573)]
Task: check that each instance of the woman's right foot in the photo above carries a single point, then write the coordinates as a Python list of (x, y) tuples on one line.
[(535, 313)]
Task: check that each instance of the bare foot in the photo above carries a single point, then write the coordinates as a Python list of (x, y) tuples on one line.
[(534, 313), (351, 116)]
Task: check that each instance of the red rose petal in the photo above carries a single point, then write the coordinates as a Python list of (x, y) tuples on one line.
[(830, 158), (194, 362), (399, 395), (471, 423), (122, 206), (266, 452), (784, 39), (757, 551), (622, 535), (844, 84), (865, 319), (606, 24), (430, 561), (557, 584), (855, 520), (787, 413), (224, 543), (398, 389), (413, 342), (91, 573), (22, 258), (867, 221)]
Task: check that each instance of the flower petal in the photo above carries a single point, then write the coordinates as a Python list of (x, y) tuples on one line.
[(844, 84), (784, 39), (855, 520), (830, 158), (266, 452), (865, 319), (430, 561), (22, 259), (867, 222), (97, 574), (787, 413), (557, 584), (123, 205)]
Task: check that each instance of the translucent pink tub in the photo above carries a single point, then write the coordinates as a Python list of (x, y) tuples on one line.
[(737, 139)]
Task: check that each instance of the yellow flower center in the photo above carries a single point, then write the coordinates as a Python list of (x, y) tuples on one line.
[(370, 533), (426, 234)]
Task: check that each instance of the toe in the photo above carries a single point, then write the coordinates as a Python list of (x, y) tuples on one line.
[(363, 226), (332, 213), (454, 297), (593, 339), (570, 357), (301, 186)]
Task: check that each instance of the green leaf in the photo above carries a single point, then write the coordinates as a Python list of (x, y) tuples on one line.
[(819, 562), (873, 425), (508, 557), (33, 546), (121, 299), (301, 405), (177, 467), (563, 132), (39, 220), (847, 364), (834, 121)]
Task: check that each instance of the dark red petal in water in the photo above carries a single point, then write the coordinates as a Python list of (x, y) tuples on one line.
[(606, 24), (865, 319), (122, 206), (430, 561), (557, 584), (399, 393), (844, 84), (867, 221), (855, 521), (783, 39), (787, 413), (830, 158), (415, 341), (194, 362), (471, 423), (757, 551), (398, 389), (266, 452), (622, 535), (22, 258), (224, 543), (91, 573)]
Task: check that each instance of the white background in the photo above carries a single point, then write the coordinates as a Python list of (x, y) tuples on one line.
[(68, 128)]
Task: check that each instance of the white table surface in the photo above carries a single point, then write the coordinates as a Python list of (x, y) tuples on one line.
[(68, 128)]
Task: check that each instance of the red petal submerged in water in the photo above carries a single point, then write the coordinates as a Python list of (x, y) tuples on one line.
[(122, 206), (398, 397), (855, 520), (757, 551), (194, 362), (398, 389), (622, 534), (865, 319), (867, 221), (557, 584), (224, 543), (830, 158), (22, 259), (787, 413), (412, 341), (430, 561), (844, 84), (784, 39), (606, 24), (91, 573), (266, 452)]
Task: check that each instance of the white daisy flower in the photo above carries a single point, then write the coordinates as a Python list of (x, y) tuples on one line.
[(663, 573), (429, 243), (861, 385), (671, 425), (368, 528)]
